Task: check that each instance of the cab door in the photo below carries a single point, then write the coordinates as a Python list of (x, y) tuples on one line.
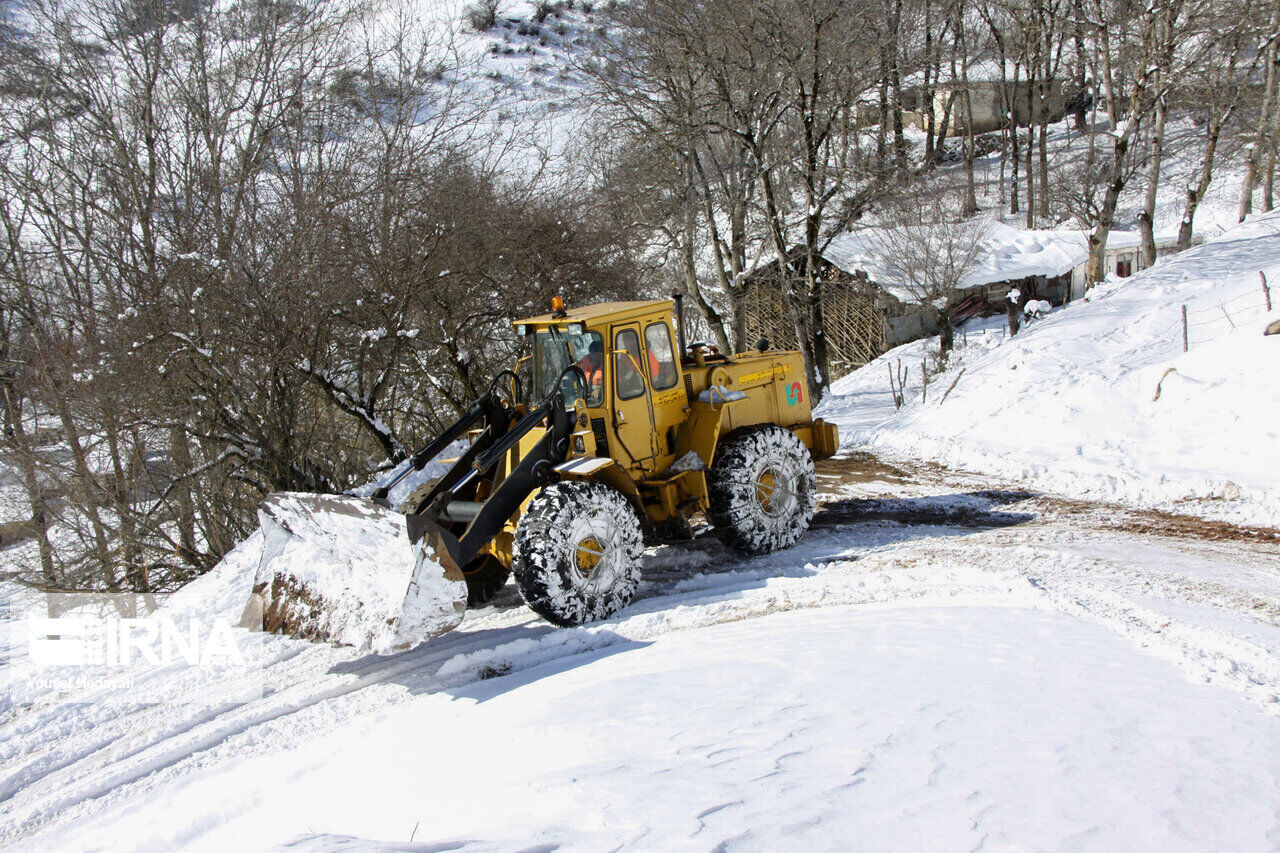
[(666, 384), (632, 404)]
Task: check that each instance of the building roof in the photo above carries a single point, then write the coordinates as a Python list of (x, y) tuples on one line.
[(1008, 254)]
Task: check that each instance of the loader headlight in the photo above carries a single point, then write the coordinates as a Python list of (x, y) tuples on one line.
[(522, 330), (579, 445), (576, 328)]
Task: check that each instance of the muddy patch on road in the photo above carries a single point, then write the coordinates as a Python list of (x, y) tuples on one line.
[(1159, 523), (980, 509), (860, 467)]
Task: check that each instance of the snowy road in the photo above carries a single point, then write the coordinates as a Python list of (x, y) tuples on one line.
[(943, 661)]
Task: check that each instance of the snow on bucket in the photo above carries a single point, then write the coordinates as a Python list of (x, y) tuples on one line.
[(342, 570)]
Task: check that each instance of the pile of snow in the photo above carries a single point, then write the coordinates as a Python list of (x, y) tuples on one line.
[(1100, 400), (343, 569), (1037, 308)]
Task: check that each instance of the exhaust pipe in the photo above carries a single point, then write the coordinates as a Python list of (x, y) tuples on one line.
[(678, 298)]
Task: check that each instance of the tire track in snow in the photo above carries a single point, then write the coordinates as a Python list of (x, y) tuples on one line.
[(1102, 590)]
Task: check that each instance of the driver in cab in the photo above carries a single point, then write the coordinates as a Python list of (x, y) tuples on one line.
[(592, 367)]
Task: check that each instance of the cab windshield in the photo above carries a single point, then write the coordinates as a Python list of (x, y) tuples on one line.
[(554, 350)]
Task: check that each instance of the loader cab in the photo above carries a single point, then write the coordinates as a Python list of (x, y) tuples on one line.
[(634, 395), (556, 349)]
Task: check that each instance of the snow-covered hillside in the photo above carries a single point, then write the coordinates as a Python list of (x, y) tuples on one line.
[(1099, 399), (948, 660)]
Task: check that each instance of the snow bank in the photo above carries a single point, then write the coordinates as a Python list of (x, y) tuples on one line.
[(1099, 400), (222, 592)]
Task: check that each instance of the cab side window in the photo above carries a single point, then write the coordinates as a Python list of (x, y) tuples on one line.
[(662, 359), (626, 361)]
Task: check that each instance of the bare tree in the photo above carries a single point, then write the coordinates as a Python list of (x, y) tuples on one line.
[(1265, 136), (930, 254), (1218, 89), (246, 252), (1139, 52), (754, 105)]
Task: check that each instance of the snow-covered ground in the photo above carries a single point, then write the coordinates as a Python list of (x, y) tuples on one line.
[(940, 727), (948, 660), (943, 662), (1099, 400)]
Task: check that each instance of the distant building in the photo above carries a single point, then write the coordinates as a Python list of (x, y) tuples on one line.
[(1123, 257), (867, 312), (995, 105), (995, 99)]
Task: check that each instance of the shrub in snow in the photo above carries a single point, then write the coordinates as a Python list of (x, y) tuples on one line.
[(1036, 308), (482, 15)]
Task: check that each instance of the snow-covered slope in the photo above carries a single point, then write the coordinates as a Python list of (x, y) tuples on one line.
[(1100, 400), (525, 72)]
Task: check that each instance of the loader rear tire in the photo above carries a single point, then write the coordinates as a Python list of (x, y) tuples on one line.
[(577, 552), (761, 489)]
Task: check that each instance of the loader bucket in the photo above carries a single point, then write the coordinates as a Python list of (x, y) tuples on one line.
[(342, 570)]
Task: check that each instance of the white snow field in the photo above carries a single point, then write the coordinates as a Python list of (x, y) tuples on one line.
[(932, 727), (941, 663), (1100, 400)]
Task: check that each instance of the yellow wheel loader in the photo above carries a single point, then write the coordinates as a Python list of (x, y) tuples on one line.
[(626, 432)]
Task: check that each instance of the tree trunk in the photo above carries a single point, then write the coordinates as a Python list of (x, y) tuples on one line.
[(1031, 146), (689, 280), (946, 332), (1265, 137), (1107, 212), (970, 183), (35, 495), (1044, 162), (1196, 193), (1015, 159), (818, 325), (1146, 218), (1013, 311), (793, 301), (185, 513), (88, 499), (883, 127), (1081, 81), (1269, 178), (895, 84), (1030, 177), (930, 73)]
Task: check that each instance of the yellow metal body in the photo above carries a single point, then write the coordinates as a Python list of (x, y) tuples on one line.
[(677, 417)]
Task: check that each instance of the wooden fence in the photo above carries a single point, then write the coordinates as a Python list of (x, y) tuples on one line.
[(854, 325)]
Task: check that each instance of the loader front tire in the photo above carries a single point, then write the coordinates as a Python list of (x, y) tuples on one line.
[(577, 552), (761, 489)]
